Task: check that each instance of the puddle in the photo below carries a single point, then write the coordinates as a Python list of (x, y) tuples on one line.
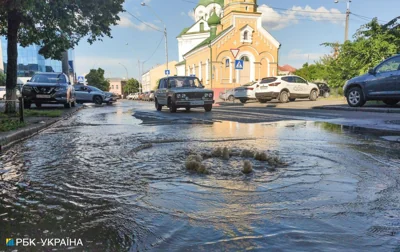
[(120, 184)]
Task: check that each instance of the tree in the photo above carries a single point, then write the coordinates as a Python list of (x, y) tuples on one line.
[(313, 72), (96, 78), (131, 86), (56, 26)]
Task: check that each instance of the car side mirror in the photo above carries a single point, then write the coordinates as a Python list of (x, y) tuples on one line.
[(28, 81), (371, 71)]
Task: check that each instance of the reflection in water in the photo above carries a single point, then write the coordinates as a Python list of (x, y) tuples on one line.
[(81, 179)]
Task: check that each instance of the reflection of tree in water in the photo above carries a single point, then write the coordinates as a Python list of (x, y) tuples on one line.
[(335, 128)]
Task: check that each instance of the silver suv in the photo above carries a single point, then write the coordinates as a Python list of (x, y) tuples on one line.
[(89, 94), (182, 92)]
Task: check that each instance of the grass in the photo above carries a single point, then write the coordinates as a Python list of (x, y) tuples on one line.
[(42, 113), (193, 163), (225, 153), (261, 156), (8, 124)]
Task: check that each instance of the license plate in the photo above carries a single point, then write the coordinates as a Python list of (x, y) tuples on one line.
[(197, 103), (43, 96), (264, 87)]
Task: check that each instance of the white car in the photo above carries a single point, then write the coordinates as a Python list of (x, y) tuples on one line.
[(285, 88), (130, 96), (3, 93), (246, 92)]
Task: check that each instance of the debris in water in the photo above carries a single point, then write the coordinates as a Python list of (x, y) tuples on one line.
[(217, 152), (142, 147), (247, 167), (225, 153)]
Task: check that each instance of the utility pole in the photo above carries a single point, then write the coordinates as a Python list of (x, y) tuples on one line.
[(140, 78), (346, 33)]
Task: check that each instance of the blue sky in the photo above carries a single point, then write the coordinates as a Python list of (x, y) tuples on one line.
[(300, 31)]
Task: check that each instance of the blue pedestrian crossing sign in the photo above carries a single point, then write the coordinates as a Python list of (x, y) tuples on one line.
[(167, 72), (81, 79), (239, 64), (192, 75)]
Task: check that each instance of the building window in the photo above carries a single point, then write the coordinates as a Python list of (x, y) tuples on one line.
[(201, 27), (245, 58), (112, 87), (116, 86), (246, 35)]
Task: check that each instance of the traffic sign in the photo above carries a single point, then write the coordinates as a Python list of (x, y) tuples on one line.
[(167, 72), (81, 79), (239, 64), (235, 52), (192, 75)]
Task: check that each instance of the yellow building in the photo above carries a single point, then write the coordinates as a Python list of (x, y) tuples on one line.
[(238, 26), (150, 78)]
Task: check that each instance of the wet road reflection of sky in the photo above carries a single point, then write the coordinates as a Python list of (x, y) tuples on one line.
[(88, 177)]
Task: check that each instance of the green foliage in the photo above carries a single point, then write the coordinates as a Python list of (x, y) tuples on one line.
[(42, 113), (8, 124), (2, 79), (96, 78), (131, 86), (372, 43)]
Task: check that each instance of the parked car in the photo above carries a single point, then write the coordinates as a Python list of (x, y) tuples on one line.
[(182, 92), (110, 98), (286, 88), (89, 94), (228, 95), (324, 89), (381, 83), (140, 96), (246, 92), (3, 93), (151, 96), (130, 97), (146, 96), (48, 88), (135, 96)]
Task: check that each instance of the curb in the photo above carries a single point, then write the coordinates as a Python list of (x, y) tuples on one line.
[(362, 109), (25, 133)]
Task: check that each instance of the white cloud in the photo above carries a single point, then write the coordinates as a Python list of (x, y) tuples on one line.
[(297, 54), (191, 14), (128, 23), (276, 19)]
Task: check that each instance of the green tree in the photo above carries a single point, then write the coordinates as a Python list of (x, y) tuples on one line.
[(2, 79), (313, 72), (55, 25), (96, 78), (131, 86)]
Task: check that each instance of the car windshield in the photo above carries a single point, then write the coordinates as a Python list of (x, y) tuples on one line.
[(184, 82), (48, 78)]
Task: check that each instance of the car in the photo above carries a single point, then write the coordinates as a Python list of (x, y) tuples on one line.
[(3, 93), (141, 96), (146, 96), (48, 88), (246, 92), (130, 97), (285, 89), (182, 92), (110, 98), (381, 83), (89, 94), (228, 95), (151, 96), (135, 96), (324, 89)]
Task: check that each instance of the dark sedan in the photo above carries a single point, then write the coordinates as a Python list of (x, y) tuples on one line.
[(324, 89)]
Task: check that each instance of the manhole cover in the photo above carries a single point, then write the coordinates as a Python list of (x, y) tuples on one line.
[(394, 122)]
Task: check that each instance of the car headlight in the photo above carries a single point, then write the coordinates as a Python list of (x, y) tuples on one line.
[(183, 96), (27, 88), (210, 95), (178, 96)]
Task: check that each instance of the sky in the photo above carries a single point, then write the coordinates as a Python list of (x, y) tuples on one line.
[(301, 26)]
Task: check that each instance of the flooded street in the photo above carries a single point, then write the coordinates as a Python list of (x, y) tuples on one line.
[(115, 177)]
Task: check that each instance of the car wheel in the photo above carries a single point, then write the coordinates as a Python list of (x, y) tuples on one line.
[(97, 100), (67, 105), (187, 109), (158, 106), (262, 100), (172, 107), (326, 94), (243, 101), (38, 105), (313, 95), (208, 108), (284, 97), (292, 99), (355, 97), (231, 98), (391, 102), (27, 104), (73, 104)]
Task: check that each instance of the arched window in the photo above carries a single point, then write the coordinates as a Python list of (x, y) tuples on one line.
[(201, 27), (246, 36), (245, 58)]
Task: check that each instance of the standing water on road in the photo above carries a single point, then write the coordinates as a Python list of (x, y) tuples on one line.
[(119, 183)]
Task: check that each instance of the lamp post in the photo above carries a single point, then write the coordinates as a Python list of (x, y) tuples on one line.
[(127, 76), (165, 30), (346, 34)]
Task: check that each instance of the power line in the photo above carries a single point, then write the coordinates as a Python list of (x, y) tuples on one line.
[(367, 18), (138, 19), (162, 38)]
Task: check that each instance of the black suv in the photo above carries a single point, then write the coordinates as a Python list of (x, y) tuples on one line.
[(324, 89), (48, 88), (380, 83)]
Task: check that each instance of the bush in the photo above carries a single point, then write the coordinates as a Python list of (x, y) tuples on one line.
[(247, 167), (217, 152), (225, 153), (247, 153), (261, 156)]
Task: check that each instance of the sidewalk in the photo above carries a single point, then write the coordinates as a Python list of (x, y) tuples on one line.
[(34, 124)]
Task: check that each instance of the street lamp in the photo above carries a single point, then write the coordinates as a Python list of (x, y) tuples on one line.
[(346, 34), (165, 30), (127, 76)]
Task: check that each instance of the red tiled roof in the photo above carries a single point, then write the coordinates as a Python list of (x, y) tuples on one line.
[(287, 68)]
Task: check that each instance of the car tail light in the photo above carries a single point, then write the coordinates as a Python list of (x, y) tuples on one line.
[(249, 88), (274, 84)]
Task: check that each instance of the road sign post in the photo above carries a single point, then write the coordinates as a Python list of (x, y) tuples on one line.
[(167, 72), (239, 64), (235, 52)]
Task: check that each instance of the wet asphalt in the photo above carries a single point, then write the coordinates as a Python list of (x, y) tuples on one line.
[(115, 177)]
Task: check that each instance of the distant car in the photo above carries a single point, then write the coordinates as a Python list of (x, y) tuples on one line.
[(90, 94), (246, 92), (151, 96), (110, 98), (48, 88), (146, 96), (229, 95), (130, 97), (135, 96), (3, 93), (285, 89), (381, 83), (141, 96), (182, 92), (324, 89)]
